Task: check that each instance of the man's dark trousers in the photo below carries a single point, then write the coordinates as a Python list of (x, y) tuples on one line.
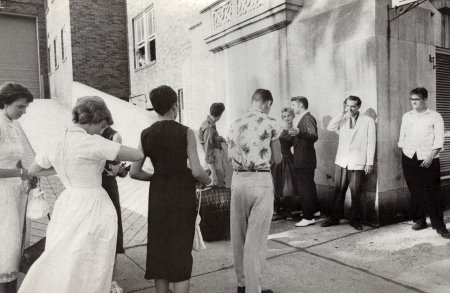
[(304, 178), (424, 186), (344, 179)]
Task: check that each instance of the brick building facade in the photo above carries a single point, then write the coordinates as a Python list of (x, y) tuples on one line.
[(87, 43), (165, 25), (33, 9)]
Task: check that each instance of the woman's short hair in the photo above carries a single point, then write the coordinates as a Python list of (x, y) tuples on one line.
[(216, 109), (163, 98), (11, 92), (288, 110), (91, 110)]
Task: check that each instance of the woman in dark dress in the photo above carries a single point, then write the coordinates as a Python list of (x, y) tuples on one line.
[(172, 203), (282, 173)]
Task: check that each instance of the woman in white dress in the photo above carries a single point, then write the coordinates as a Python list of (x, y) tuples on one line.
[(14, 100), (81, 236)]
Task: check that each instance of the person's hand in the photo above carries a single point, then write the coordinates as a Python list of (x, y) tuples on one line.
[(24, 175), (123, 172), (114, 169), (293, 131), (33, 182), (427, 162), (368, 169)]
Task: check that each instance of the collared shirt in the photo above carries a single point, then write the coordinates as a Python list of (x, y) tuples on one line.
[(209, 139), (249, 139), (421, 133)]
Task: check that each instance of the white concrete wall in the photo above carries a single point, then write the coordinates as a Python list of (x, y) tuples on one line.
[(129, 120), (60, 79)]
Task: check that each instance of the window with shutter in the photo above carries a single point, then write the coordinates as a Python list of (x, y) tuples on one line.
[(443, 103)]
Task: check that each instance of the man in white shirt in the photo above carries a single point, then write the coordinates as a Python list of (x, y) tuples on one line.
[(354, 159), (421, 139)]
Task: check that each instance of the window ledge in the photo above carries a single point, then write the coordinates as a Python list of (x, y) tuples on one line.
[(145, 66)]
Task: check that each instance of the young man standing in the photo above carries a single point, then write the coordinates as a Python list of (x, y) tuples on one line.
[(305, 159), (354, 159), (253, 145), (212, 143), (421, 139)]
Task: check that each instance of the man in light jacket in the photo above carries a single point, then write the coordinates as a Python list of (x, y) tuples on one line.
[(354, 159)]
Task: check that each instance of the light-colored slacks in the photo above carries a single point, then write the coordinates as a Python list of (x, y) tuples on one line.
[(250, 217)]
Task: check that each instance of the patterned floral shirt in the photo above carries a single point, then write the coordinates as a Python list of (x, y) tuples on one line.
[(249, 139)]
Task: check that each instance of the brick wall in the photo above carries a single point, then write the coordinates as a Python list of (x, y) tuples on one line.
[(99, 45), (172, 20), (34, 8)]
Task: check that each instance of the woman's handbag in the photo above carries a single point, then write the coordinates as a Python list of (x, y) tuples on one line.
[(198, 244), (37, 207), (215, 213), (33, 252)]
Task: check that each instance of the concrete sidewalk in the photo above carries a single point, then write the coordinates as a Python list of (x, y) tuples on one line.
[(315, 259)]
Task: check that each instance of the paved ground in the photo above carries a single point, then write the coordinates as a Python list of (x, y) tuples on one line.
[(311, 259)]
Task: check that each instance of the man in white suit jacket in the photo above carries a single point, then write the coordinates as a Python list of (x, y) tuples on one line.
[(354, 159)]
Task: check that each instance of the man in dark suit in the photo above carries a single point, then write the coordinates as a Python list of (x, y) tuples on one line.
[(305, 159)]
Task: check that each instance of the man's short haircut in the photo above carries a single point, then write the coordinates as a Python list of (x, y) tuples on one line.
[(163, 98), (301, 99), (288, 110), (420, 91), (262, 95), (91, 110), (216, 109), (355, 99), (11, 92)]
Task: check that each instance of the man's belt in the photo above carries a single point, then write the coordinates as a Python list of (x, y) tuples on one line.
[(256, 171)]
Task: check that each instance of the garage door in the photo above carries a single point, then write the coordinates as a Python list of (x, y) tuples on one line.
[(18, 52)]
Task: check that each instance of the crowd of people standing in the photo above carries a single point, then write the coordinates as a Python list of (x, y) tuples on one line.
[(273, 165)]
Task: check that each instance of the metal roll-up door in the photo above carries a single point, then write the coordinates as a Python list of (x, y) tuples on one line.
[(19, 60), (443, 105)]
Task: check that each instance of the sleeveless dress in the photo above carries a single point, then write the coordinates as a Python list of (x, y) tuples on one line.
[(12, 201), (81, 236), (171, 212), (283, 173), (109, 183)]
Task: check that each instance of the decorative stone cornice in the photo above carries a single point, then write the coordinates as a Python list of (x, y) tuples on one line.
[(231, 22)]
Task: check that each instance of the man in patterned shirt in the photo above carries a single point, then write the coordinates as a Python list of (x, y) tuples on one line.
[(253, 146)]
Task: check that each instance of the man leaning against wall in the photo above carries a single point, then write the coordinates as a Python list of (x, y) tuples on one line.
[(421, 139)]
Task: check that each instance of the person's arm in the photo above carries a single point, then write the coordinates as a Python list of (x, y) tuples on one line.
[(129, 154), (438, 143), (401, 138), (115, 166), (276, 151), (10, 173), (38, 171), (335, 122), (136, 171), (194, 161), (311, 130), (371, 145)]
